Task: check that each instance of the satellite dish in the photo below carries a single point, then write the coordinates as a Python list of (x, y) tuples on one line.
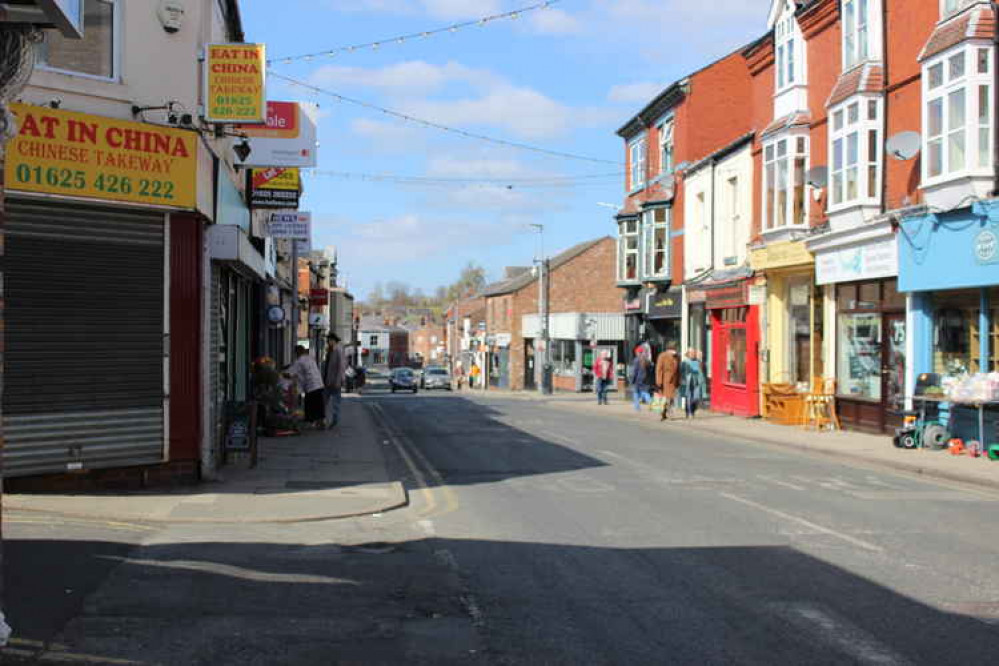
[(818, 177), (904, 145)]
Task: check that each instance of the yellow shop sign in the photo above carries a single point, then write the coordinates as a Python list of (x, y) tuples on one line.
[(235, 83), (79, 155), (780, 255)]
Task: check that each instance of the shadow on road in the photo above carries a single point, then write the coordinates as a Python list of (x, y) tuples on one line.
[(439, 601)]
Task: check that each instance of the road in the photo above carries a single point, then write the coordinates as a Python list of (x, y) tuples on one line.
[(538, 535), (584, 539)]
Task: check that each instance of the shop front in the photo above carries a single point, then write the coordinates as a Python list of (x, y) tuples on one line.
[(498, 370), (792, 329), (663, 315), (866, 337), (577, 338), (101, 290), (949, 268), (734, 349)]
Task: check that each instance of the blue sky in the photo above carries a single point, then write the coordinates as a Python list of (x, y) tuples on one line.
[(563, 78)]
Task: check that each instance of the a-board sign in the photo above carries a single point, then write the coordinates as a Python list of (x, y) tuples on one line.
[(241, 427)]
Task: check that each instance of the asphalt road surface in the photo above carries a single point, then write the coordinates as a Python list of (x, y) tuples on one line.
[(537, 535), (583, 539)]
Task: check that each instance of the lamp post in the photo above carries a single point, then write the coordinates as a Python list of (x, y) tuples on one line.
[(544, 293)]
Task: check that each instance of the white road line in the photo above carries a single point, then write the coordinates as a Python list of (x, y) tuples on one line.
[(807, 523), (841, 634), (778, 482)]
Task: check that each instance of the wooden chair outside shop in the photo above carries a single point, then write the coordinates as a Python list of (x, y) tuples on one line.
[(820, 406)]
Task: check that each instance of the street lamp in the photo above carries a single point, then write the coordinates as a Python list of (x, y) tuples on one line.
[(544, 281)]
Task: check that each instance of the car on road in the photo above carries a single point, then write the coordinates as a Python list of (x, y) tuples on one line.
[(436, 377), (403, 379)]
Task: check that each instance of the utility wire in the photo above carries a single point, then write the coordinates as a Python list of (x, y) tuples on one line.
[(444, 128), (332, 53), (538, 180)]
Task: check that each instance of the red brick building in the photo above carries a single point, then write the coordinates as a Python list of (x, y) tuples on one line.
[(585, 307), (428, 344)]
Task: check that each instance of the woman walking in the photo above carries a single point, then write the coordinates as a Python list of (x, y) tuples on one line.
[(641, 378), (692, 385), (603, 372), (667, 379), (310, 382)]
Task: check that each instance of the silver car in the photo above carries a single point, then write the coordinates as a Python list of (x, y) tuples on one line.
[(436, 378)]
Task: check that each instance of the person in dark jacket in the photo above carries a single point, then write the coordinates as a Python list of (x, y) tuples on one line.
[(641, 378)]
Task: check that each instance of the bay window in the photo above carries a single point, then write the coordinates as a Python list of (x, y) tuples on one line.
[(856, 32), (953, 6), (957, 115), (636, 154), (666, 146), (627, 250), (855, 149), (655, 249), (784, 164)]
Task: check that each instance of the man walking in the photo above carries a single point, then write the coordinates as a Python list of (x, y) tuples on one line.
[(667, 379), (603, 372), (640, 377), (306, 373), (334, 372)]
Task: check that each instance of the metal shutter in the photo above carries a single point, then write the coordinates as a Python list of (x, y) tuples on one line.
[(85, 350), (214, 376)]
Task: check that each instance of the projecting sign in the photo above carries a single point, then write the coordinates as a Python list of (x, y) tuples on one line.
[(95, 157), (986, 247), (296, 225), (65, 15), (288, 139), (275, 187), (235, 83)]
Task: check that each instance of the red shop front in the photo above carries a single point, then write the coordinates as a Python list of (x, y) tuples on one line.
[(735, 349)]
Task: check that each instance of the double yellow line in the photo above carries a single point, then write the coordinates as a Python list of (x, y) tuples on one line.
[(438, 498)]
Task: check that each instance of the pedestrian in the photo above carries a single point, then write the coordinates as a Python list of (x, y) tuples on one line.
[(668, 379), (334, 373), (603, 372), (473, 375), (310, 382), (641, 378), (459, 375), (692, 384)]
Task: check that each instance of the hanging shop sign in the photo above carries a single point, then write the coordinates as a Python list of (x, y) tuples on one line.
[(287, 139), (633, 305), (80, 155), (275, 187), (235, 83), (502, 339), (295, 225), (863, 262), (986, 247)]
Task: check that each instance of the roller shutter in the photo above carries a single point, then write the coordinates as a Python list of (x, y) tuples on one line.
[(85, 342)]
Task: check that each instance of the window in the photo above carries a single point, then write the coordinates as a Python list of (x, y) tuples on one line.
[(856, 32), (564, 357), (856, 152), (655, 224), (786, 43), (799, 331), (636, 152), (784, 165), (958, 113), (627, 243), (373, 342), (859, 356), (666, 146), (96, 54), (734, 227), (953, 6)]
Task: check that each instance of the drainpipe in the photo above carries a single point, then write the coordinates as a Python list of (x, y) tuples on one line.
[(884, 132), (995, 105)]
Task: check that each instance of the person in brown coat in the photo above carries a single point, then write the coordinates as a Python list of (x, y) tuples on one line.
[(668, 379)]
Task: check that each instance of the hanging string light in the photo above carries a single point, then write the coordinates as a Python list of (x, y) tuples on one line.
[(453, 28), (438, 126)]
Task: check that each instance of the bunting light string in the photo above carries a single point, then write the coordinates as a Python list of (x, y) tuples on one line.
[(540, 182), (402, 39), (438, 126)]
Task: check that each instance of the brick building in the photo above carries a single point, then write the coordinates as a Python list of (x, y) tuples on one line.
[(428, 345), (585, 307)]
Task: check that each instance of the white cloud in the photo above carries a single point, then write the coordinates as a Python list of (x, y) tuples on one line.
[(411, 77), (389, 137), (555, 22), (441, 9), (639, 92)]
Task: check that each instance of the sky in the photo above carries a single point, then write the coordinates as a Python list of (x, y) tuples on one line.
[(563, 79)]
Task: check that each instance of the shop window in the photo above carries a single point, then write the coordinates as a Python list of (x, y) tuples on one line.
[(564, 357), (96, 55), (859, 356), (628, 242), (735, 356), (954, 329), (799, 334)]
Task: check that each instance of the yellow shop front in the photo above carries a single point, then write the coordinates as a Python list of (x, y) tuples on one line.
[(791, 329)]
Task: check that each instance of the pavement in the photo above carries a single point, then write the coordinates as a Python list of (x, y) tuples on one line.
[(319, 475), (858, 447)]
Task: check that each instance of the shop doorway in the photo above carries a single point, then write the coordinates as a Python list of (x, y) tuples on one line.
[(735, 351), (530, 378)]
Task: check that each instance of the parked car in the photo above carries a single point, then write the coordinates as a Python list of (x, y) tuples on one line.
[(403, 379), (436, 377)]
